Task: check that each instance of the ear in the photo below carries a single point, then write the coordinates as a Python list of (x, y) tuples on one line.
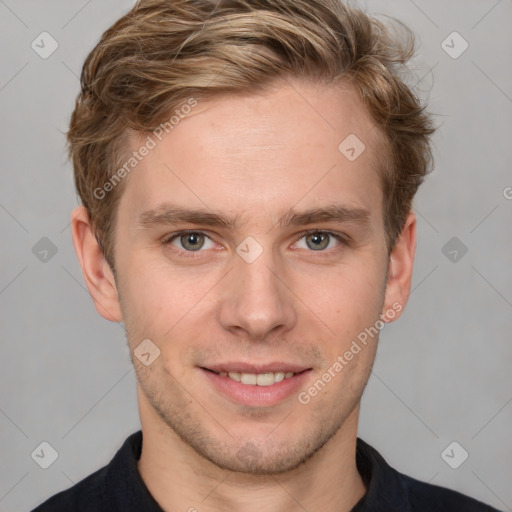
[(96, 271), (400, 271)]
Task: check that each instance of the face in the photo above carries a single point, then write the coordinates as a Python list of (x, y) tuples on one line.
[(250, 248)]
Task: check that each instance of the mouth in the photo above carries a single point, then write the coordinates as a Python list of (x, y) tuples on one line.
[(256, 379), (256, 385)]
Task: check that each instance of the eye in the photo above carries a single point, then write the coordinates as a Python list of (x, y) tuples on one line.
[(190, 241), (194, 241), (319, 240)]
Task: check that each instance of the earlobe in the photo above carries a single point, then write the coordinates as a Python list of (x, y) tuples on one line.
[(400, 271), (95, 269)]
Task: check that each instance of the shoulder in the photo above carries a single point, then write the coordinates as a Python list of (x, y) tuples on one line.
[(389, 489), (110, 488), (425, 497), (86, 495)]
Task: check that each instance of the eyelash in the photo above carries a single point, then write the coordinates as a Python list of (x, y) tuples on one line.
[(191, 254)]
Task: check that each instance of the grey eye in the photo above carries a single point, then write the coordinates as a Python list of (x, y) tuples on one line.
[(192, 241), (318, 241)]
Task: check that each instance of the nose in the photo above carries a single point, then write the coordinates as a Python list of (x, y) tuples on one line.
[(256, 300)]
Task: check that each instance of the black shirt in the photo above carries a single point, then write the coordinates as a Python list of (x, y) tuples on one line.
[(118, 487)]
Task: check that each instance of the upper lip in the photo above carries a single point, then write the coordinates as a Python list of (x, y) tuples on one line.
[(240, 367)]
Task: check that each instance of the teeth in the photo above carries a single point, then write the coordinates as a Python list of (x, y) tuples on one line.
[(260, 379), (265, 379), (279, 376), (248, 378)]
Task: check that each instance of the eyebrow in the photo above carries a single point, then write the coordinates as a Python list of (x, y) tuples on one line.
[(168, 214)]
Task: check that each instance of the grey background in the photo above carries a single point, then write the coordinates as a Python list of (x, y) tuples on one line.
[(443, 372)]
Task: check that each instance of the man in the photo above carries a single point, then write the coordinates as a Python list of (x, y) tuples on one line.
[(246, 171)]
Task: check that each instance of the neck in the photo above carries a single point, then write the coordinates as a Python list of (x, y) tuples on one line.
[(180, 479)]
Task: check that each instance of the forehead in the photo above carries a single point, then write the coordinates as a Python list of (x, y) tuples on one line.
[(299, 144)]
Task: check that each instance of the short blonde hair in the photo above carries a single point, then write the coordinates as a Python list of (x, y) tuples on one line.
[(163, 52)]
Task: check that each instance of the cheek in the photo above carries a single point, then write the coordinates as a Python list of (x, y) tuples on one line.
[(348, 298), (158, 298), (143, 296)]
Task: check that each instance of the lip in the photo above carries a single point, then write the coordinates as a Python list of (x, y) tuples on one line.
[(256, 396)]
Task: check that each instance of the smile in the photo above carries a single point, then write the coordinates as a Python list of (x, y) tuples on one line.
[(257, 379), (257, 385)]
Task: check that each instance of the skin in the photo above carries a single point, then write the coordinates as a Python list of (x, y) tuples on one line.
[(253, 157)]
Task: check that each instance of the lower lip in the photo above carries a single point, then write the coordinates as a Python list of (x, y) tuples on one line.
[(256, 396)]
